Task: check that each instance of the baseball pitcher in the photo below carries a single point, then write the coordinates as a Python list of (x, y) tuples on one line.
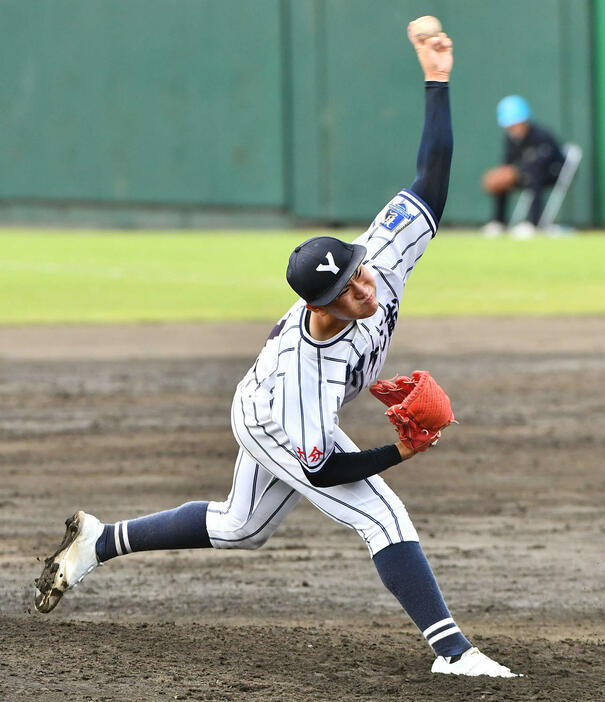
[(328, 347)]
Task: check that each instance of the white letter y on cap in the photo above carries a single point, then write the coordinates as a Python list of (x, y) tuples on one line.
[(331, 266)]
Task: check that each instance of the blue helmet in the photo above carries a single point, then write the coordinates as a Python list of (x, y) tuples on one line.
[(512, 110)]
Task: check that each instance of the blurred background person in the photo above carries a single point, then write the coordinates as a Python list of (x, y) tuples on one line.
[(532, 160)]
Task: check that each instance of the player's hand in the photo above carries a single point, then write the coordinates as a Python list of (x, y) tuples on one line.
[(500, 179), (404, 451), (435, 55)]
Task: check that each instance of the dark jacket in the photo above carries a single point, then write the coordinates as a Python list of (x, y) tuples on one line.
[(537, 156)]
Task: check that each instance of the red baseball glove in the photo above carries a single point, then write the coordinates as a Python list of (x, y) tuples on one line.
[(418, 408)]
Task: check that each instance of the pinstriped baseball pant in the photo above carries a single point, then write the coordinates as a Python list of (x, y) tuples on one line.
[(268, 482)]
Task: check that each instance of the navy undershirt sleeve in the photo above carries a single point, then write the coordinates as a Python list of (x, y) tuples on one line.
[(342, 468), (436, 148)]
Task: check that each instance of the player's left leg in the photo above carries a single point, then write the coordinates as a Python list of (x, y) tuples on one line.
[(405, 571), (371, 508), (536, 207), (538, 184)]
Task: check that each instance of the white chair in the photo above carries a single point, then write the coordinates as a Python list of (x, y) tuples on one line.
[(573, 156)]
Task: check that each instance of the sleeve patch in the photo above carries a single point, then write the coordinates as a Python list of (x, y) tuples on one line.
[(394, 216)]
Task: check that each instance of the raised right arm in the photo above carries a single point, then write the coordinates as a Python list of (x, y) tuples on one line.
[(436, 145)]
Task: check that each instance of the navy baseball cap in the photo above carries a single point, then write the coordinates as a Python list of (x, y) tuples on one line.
[(320, 268)]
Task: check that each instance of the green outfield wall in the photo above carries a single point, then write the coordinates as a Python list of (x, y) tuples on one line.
[(599, 146), (310, 109)]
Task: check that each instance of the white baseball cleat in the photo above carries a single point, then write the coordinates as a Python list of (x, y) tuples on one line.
[(472, 662), (492, 229), (67, 566), (523, 231)]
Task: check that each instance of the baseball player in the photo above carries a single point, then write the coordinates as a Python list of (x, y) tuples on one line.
[(330, 345), (532, 160)]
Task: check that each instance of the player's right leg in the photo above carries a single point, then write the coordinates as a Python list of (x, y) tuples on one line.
[(88, 543), (257, 504), (74, 558)]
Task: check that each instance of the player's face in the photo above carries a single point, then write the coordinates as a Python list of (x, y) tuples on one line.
[(357, 299), (517, 131)]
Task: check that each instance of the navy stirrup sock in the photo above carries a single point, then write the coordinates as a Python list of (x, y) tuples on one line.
[(182, 527), (405, 571)]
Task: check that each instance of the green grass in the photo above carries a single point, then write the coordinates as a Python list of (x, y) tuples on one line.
[(71, 277)]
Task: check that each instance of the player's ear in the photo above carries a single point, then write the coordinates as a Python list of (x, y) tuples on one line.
[(321, 311)]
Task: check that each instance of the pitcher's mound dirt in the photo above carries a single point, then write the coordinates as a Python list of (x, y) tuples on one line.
[(509, 508)]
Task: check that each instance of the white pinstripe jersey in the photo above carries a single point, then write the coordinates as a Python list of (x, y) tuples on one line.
[(307, 381)]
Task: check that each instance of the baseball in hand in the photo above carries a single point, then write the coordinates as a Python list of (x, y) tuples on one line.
[(425, 27)]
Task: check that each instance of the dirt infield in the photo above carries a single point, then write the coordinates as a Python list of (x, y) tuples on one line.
[(126, 421)]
